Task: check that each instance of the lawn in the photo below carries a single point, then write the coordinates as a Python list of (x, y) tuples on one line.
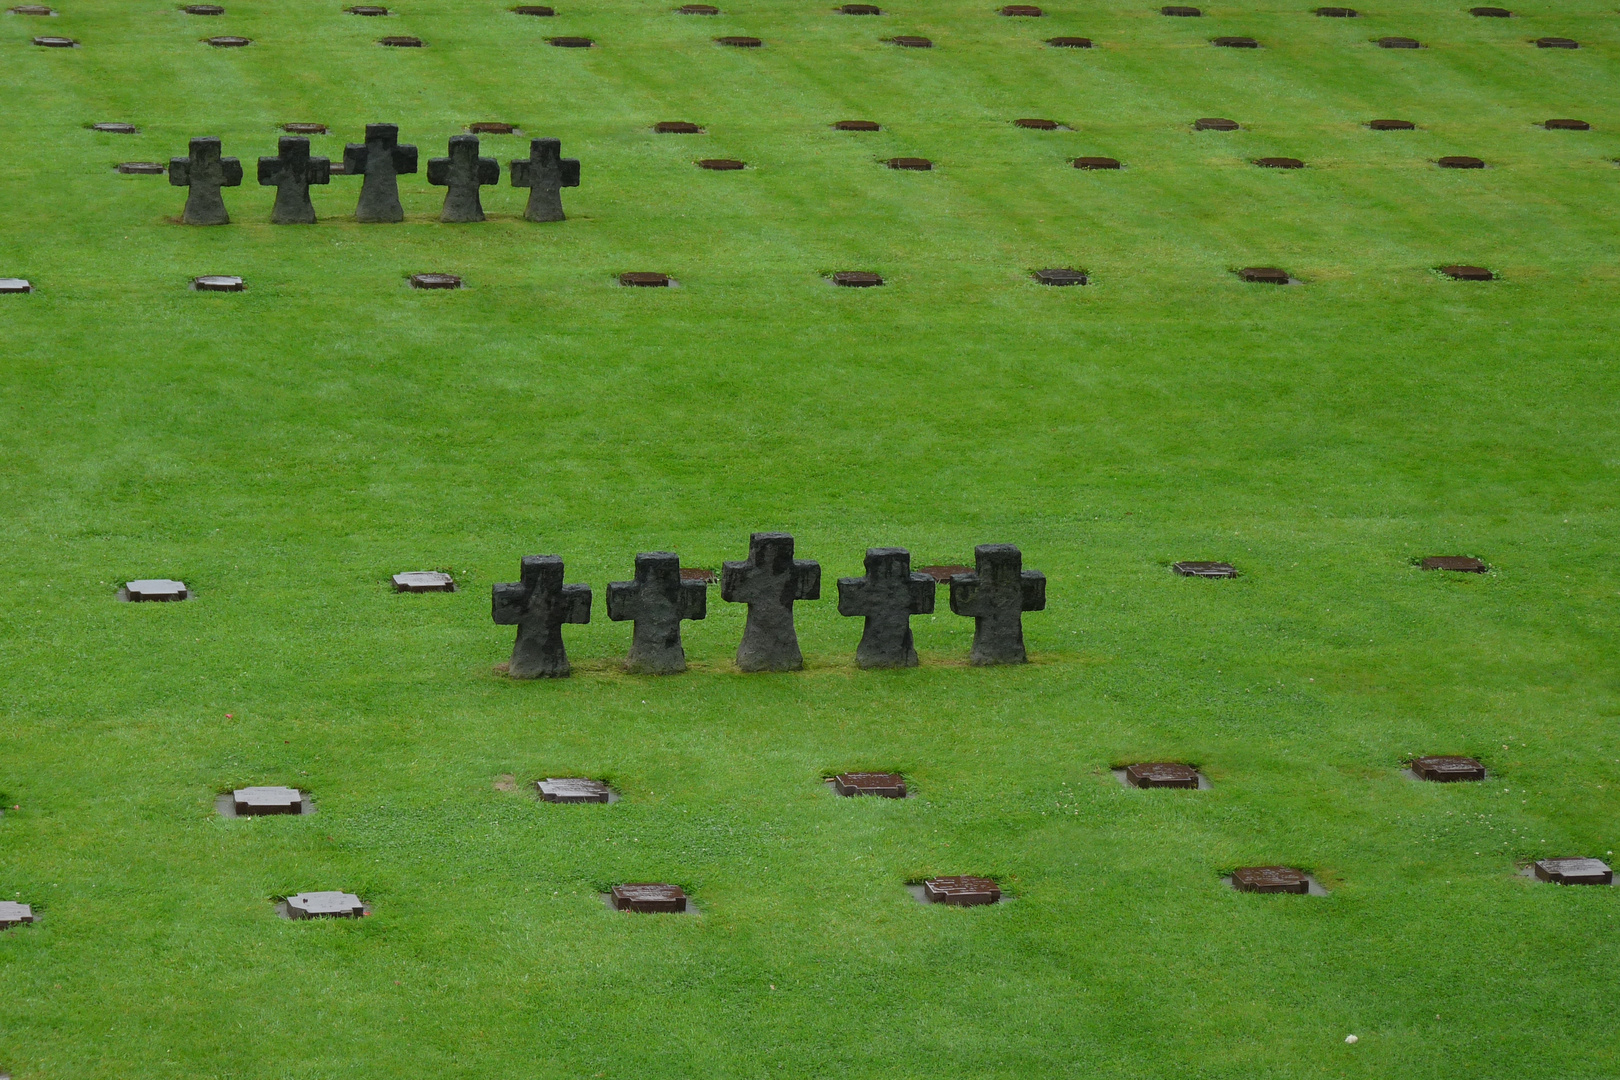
[(286, 449)]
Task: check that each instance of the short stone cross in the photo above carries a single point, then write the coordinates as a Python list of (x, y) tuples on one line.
[(538, 605), (205, 172), (463, 173), (996, 595), (545, 174), (657, 600), (769, 581), (381, 160), (889, 595), (291, 172)]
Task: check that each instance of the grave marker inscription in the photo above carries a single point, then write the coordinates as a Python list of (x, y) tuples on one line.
[(857, 279), (435, 281), (140, 168), (881, 784), (649, 898), (1567, 125), (1096, 163), (1574, 871), (1069, 42), (1446, 770), (14, 914), (15, 285), (1466, 273), (573, 789), (1391, 125), (256, 801), (1271, 879), (154, 590), (1214, 123), (420, 581), (856, 125), (116, 128), (722, 164), (961, 890), (1209, 569), (1051, 276), (325, 905), (1161, 774)]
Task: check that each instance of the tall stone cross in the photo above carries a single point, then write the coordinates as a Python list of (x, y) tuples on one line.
[(205, 172), (538, 605), (996, 595), (462, 173), (291, 172), (657, 601), (545, 174), (769, 581), (383, 161), (889, 595)]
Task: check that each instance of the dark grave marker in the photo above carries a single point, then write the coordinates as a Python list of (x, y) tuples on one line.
[(1029, 11), (255, 801), (116, 129), (545, 173), (204, 172), (571, 42), (1265, 275), (738, 42), (1468, 273), (881, 784), (1399, 43), (325, 905), (860, 9), (381, 160), (856, 125), (644, 279), (1574, 871), (533, 9), (1234, 43), (538, 605), (304, 129), (887, 597), (14, 914), (1096, 163), (400, 41), (1462, 563), (1490, 12), (1161, 774), (573, 790), (996, 595), (1459, 161), (649, 898), (770, 581), (857, 279), (366, 9), (910, 164), (229, 41), (1214, 123), (1069, 42), (435, 281), (203, 9), (1557, 43), (1210, 569), (1391, 125), (1036, 124), (656, 602), (461, 175), (140, 168), (32, 9), (291, 172), (1052, 276), (697, 9), (961, 890), (1279, 163), (15, 285), (1567, 125), (912, 41), (677, 127), (1446, 770), (1179, 12), (1337, 12), (415, 581), (150, 590), (52, 42), (721, 164), (944, 573), (218, 283), (1271, 879), (491, 127)]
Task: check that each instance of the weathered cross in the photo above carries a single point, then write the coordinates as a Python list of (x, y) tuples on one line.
[(382, 160), (657, 601), (462, 173), (769, 581), (538, 605), (889, 595), (996, 595), (545, 174), (291, 172), (205, 172)]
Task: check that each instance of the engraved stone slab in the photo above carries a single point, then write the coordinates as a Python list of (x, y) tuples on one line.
[(424, 581), (1214, 123), (1023, 10), (229, 41), (400, 41), (50, 42), (571, 42), (1574, 871), (253, 801), (539, 604), (1460, 161), (1180, 12), (1445, 770), (1069, 42), (32, 9), (1096, 163), (203, 9), (910, 164), (304, 129), (1036, 123), (218, 283), (1161, 774), (1490, 12), (381, 160), (644, 279), (573, 790), (14, 914), (656, 602), (366, 9), (15, 285), (857, 279), (1050, 276), (116, 128), (860, 9), (1265, 275), (1557, 43), (1468, 273), (1391, 125), (961, 890), (1337, 12), (737, 42), (325, 905), (677, 127), (492, 127), (1279, 163), (1465, 564), (887, 597), (140, 168), (697, 9), (770, 581), (944, 573), (911, 41), (533, 9), (649, 898), (1205, 569), (1271, 879), (545, 173), (882, 784), (1567, 125), (856, 125), (148, 590), (462, 174), (1399, 43), (1234, 43), (203, 171), (435, 281), (995, 596), (722, 164)]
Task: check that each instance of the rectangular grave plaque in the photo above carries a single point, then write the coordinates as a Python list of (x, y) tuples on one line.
[(649, 898), (573, 790), (885, 785)]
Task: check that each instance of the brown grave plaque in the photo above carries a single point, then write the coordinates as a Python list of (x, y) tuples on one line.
[(883, 784), (1036, 123), (1051, 276), (856, 125), (49, 42), (1270, 879), (15, 285), (944, 573), (1398, 43), (491, 127), (400, 42), (644, 280), (1460, 161), (720, 164), (910, 164), (32, 9), (573, 789), (1557, 43), (676, 127), (366, 9), (649, 898), (1567, 125), (203, 9), (140, 168), (435, 281), (148, 590), (699, 573), (1337, 12), (1209, 569), (424, 581), (218, 283), (116, 129), (962, 890), (1447, 770), (1180, 12), (1214, 123), (1264, 275), (14, 914), (1157, 774), (1490, 12), (739, 42), (325, 905), (697, 9), (1024, 10), (1463, 563), (1096, 163), (255, 801), (856, 279), (1468, 273), (1574, 871), (304, 129), (859, 9), (912, 41), (229, 41), (1391, 125), (533, 9), (571, 42), (1234, 43), (1279, 163), (1069, 42)]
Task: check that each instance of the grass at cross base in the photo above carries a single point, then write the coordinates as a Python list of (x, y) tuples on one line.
[(285, 450)]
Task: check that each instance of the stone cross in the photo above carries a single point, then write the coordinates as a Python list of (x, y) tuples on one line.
[(996, 595), (291, 172), (545, 174), (462, 173), (657, 601), (205, 172), (769, 581), (381, 159), (538, 605), (889, 595)]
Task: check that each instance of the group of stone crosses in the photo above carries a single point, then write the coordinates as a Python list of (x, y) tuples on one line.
[(995, 594), (381, 160)]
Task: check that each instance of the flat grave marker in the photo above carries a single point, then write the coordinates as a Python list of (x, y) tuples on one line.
[(14, 914), (491, 127), (1279, 163), (859, 9), (303, 128), (32, 9), (534, 9), (1271, 879), (1208, 569), (910, 164), (140, 168), (264, 801), (1391, 125), (1214, 123), (1460, 161), (736, 41), (656, 603), (400, 41), (1179, 11), (545, 173), (1234, 42), (203, 9), (879, 784), (113, 128), (1097, 163), (1036, 124), (649, 898), (697, 9), (1025, 11), (229, 41), (1162, 774), (539, 604), (857, 279), (371, 10), (1567, 125), (960, 890), (911, 41), (1055, 276), (571, 42), (645, 279), (1398, 43), (1465, 564), (721, 164), (856, 125), (420, 581), (1069, 42), (1557, 43), (323, 905), (51, 41), (218, 283), (1574, 871), (463, 174), (1447, 770), (16, 285), (1490, 13), (995, 596), (1337, 12), (1468, 273), (435, 281), (1264, 275), (153, 590), (770, 581), (381, 159), (573, 789), (677, 127)]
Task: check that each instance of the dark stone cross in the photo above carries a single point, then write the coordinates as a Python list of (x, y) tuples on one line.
[(463, 173), (291, 172), (545, 174), (889, 595), (657, 600), (996, 595), (538, 605), (769, 581), (205, 172), (381, 160)]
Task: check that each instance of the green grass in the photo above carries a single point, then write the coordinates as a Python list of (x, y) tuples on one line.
[(287, 449)]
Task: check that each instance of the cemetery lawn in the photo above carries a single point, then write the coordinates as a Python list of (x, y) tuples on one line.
[(285, 450)]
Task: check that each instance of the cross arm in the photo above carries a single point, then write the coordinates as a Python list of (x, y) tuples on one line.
[(269, 171), (232, 168), (354, 159), (320, 170), (1034, 584), (508, 602), (570, 172), (853, 593), (806, 579), (965, 594), (694, 600), (622, 597), (921, 587), (404, 159), (734, 577), (438, 171), (520, 173), (179, 172), (574, 604), (489, 171)]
